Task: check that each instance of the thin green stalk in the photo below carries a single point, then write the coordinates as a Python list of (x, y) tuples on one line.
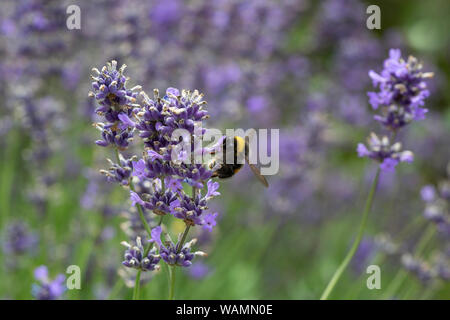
[(428, 293), (426, 237), (178, 249), (141, 214), (338, 273), (115, 290), (137, 282), (183, 238), (171, 281), (401, 275), (117, 155), (395, 284)]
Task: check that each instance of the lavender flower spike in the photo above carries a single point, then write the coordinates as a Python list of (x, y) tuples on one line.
[(171, 253), (402, 94), (111, 92), (134, 257), (381, 150), (403, 91), (117, 105)]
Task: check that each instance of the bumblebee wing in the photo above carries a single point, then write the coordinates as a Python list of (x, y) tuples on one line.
[(254, 168), (258, 174)]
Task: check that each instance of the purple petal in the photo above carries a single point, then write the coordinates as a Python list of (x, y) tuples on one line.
[(362, 150), (135, 199), (156, 236), (388, 165), (41, 273)]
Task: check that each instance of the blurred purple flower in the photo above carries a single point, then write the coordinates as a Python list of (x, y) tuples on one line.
[(18, 239), (382, 151), (199, 270), (47, 289)]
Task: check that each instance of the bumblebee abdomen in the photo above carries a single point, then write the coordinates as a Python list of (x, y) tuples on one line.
[(227, 170)]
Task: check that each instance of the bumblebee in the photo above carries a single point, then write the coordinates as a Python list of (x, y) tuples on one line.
[(239, 149)]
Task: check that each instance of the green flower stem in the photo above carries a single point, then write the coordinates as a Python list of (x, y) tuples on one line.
[(137, 285), (137, 282), (178, 248), (115, 290), (171, 281), (117, 155), (183, 238), (338, 273), (425, 239), (138, 274)]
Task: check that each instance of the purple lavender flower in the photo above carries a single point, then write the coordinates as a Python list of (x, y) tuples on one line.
[(428, 193), (120, 173), (136, 199), (173, 184), (209, 221), (158, 200), (212, 189), (418, 267), (189, 210), (363, 255), (199, 270), (19, 239), (111, 92), (382, 151), (171, 253), (402, 91), (193, 173), (161, 116), (134, 257), (437, 206), (117, 104), (139, 169), (47, 289), (442, 267)]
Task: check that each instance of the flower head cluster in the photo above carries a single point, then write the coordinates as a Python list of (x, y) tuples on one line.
[(47, 289), (135, 257), (436, 211), (403, 91), (121, 172), (175, 253), (190, 209), (437, 204), (159, 201), (402, 94), (156, 180), (117, 104), (19, 239), (381, 150), (157, 120), (162, 115), (418, 267)]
